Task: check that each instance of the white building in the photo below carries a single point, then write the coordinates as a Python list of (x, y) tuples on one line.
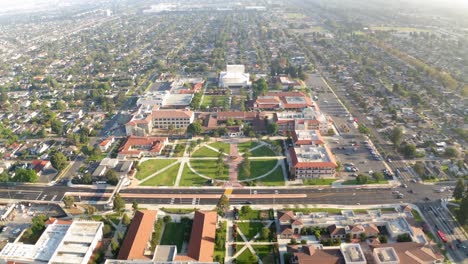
[(61, 242), (234, 76), (352, 253), (399, 226), (386, 255)]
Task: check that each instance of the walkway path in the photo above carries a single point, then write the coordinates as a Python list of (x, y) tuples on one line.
[(158, 172), (236, 159), (183, 161)]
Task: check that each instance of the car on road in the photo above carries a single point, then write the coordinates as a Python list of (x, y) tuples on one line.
[(404, 185)]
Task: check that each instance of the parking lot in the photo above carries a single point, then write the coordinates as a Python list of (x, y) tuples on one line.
[(350, 145), (20, 218)]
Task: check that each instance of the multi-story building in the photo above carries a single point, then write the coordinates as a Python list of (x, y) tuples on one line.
[(283, 101), (61, 242), (234, 76), (311, 161), (308, 119), (164, 119)]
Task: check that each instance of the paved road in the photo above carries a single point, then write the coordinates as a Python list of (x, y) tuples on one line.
[(439, 218), (345, 196)]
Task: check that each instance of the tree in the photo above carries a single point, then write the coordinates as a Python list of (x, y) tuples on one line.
[(25, 175), (167, 219), (58, 160), (408, 150), (56, 126), (378, 176), (451, 152), (114, 246), (90, 210), (348, 237), (362, 179), (462, 213), (396, 136), (195, 128), (404, 238), (126, 220), (87, 178), (135, 206), (245, 165), (119, 203), (419, 168), (363, 236), (223, 205), (383, 239), (265, 233), (272, 128), (260, 87), (220, 163), (68, 201), (459, 190), (4, 177), (363, 129), (111, 176)]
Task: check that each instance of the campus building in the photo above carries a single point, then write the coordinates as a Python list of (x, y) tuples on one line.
[(61, 242), (234, 76), (164, 119), (311, 161), (137, 147)]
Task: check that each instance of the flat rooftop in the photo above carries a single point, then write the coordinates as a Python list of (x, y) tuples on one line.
[(352, 253), (178, 100), (386, 255), (308, 153)]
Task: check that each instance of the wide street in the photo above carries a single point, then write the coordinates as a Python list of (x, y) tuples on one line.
[(257, 195)]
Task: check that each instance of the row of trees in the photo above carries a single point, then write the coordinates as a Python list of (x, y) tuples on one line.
[(461, 193)]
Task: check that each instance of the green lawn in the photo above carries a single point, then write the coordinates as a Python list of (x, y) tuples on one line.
[(204, 152), (245, 146), (208, 168), (166, 178), (173, 235), (275, 178), (246, 256), (319, 181), (151, 166), (219, 144), (249, 229), (191, 179), (255, 215), (263, 151), (213, 101), (266, 253), (258, 168), (354, 182), (219, 253)]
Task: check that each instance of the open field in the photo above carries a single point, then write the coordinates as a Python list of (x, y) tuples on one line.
[(166, 178), (149, 167)]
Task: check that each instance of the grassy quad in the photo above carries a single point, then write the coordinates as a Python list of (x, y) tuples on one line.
[(166, 178), (191, 179), (246, 146), (218, 145), (205, 167), (151, 166), (173, 235), (249, 229), (213, 101), (246, 257), (204, 152), (265, 253), (258, 168), (275, 178), (263, 151)]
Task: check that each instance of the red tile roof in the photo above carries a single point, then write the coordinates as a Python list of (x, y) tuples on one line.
[(201, 246), (39, 165), (155, 144), (138, 235), (172, 114)]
